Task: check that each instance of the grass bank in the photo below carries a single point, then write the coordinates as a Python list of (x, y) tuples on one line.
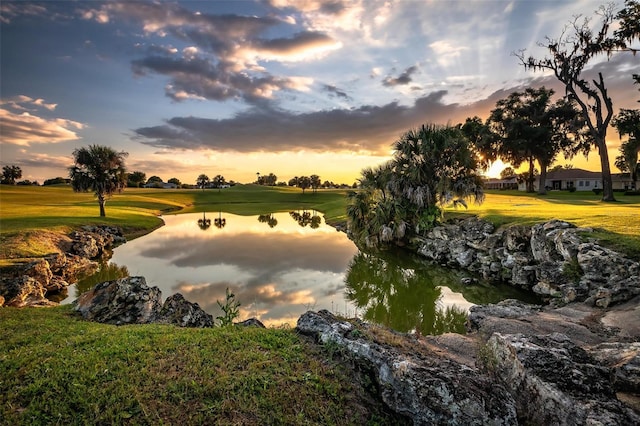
[(30, 217), (56, 368), (616, 225)]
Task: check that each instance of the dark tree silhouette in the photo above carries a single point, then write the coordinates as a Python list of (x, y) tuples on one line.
[(10, 174)]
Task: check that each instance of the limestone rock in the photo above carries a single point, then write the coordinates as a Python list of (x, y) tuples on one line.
[(177, 310), (23, 291), (551, 259), (624, 361), (555, 382), (39, 271), (124, 301), (433, 390), (251, 322), (92, 241)]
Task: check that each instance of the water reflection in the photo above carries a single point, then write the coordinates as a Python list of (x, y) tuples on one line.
[(204, 223), (402, 298), (269, 219), (294, 264), (276, 272), (305, 218)]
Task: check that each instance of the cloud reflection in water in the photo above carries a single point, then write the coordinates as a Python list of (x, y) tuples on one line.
[(276, 273)]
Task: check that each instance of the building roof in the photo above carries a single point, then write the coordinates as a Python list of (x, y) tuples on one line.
[(568, 174)]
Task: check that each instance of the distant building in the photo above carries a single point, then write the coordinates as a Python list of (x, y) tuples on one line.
[(581, 180), (501, 184)]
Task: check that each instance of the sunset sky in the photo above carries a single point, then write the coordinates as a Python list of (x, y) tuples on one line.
[(292, 87)]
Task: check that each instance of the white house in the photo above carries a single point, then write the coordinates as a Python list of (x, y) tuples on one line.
[(581, 180), (502, 184)]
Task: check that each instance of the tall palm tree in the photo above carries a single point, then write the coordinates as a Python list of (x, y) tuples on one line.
[(99, 169)]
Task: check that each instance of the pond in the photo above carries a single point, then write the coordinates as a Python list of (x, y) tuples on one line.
[(282, 264)]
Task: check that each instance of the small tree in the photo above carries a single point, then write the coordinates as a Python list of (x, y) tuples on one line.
[(99, 169), (315, 182), (304, 182), (202, 181), (507, 173), (175, 181), (136, 179), (10, 174)]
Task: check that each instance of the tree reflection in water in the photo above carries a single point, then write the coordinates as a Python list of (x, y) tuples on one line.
[(402, 296), (307, 218), (269, 219), (220, 222), (204, 223), (107, 272)]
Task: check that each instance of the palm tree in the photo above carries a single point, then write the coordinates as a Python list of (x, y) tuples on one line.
[(99, 169), (432, 166), (202, 181), (204, 223)]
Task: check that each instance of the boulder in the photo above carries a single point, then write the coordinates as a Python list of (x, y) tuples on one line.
[(23, 291), (251, 322), (177, 310), (553, 381), (39, 271), (419, 384), (124, 301), (623, 359), (92, 241), (609, 277)]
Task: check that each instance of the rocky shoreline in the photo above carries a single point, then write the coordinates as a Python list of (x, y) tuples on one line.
[(573, 361), (28, 284)]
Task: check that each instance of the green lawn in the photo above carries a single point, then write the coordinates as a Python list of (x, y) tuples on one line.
[(616, 224), (25, 212), (56, 368)]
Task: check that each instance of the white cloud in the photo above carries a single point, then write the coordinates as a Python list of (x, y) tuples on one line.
[(24, 128)]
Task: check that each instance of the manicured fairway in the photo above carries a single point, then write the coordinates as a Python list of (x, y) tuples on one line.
[(27, 212)]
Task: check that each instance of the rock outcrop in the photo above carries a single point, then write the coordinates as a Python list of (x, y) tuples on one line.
[(177, 310), (53, 273), (131, 301), (555, 381), (514, 368), (419, 384), (552, 259)]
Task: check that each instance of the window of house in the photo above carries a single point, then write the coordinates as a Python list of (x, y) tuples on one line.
[(581, 183), (587, 183)]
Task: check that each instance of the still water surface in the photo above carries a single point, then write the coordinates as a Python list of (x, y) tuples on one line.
[(283, 264)]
